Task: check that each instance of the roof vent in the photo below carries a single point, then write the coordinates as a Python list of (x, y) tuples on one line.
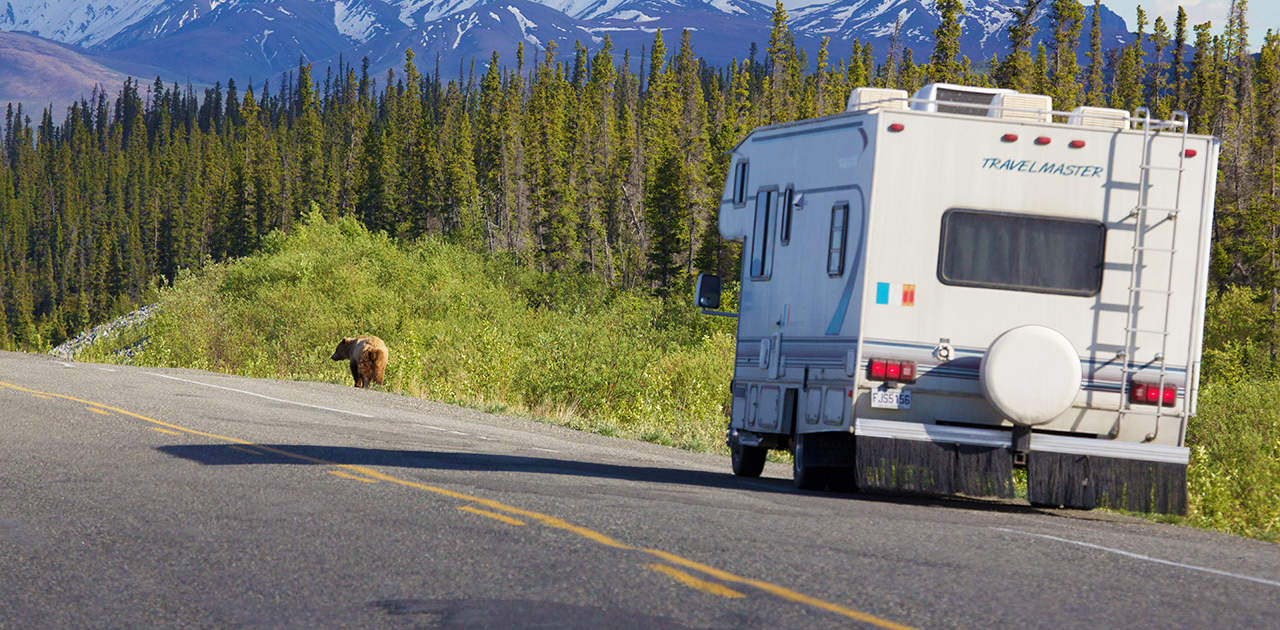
[(1103, 117), (869, 98), (948, 98)]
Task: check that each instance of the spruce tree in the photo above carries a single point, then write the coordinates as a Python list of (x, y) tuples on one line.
[(1095, 92), (1067, 17), (944, 63), (1016, 70)]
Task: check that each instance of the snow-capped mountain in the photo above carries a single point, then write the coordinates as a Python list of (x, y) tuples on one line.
[(86, 23), (984, 26), (210, 40)]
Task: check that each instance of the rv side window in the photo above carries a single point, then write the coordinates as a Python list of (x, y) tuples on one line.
[(740, 184), (784, 215), (761, 252), (1001, 250), (839, 234)]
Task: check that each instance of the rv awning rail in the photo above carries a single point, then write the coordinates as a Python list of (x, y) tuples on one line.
[(1124, 120)]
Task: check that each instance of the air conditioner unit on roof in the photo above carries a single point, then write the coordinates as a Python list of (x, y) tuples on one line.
[(1104, 117), (876, 98), (948, 98)]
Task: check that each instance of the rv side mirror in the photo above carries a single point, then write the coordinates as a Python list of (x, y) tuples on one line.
[(707, 292)]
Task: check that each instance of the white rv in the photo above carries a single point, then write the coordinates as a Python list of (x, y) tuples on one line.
[(938, 289)]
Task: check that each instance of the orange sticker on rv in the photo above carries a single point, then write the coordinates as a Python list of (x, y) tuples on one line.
[(908, 295)]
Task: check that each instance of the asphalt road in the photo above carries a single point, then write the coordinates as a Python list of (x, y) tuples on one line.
[(142, 498)]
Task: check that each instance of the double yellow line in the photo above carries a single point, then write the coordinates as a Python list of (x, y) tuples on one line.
[(504, 512)]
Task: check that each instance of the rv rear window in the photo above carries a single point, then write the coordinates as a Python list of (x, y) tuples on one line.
[(1019, 252), (839, 234), (784, 215), (761, 237), (740, 184)]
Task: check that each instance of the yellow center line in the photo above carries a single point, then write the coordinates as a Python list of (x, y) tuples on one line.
[(98, 411), (493, 515), (694, 582), (43, 396), (545, 519), (339, 473), (243, 449), (165, 431)]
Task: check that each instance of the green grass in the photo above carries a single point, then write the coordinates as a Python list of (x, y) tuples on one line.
[(462, 328), (1233, 480), (479, 331)]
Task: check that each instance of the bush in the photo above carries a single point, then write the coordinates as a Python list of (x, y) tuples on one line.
[(1233, 480)]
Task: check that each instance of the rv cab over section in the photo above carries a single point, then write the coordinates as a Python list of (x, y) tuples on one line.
[(937, 289)]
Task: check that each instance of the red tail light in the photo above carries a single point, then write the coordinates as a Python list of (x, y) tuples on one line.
[(1076, 144), (1152, 394), (1043, 140), (876, 370), (1189, 153), (1009, 137), (886, 370), (896, 127)]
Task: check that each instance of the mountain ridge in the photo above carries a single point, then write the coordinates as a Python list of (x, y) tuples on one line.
[(204, 41)]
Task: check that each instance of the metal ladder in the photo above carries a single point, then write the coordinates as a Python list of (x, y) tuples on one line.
[(1145, 217)]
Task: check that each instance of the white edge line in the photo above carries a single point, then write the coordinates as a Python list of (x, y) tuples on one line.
[(232, 389), (1138, 556), (549, 450)]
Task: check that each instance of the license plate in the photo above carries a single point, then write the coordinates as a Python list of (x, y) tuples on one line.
[(890, 398)]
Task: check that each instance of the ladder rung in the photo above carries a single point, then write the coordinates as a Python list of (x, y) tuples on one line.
[(1143, 290), (1173, 211), (1150, 167), (1158, 250), (1147, 330)]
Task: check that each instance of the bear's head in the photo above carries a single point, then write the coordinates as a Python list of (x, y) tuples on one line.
[(343, 351)]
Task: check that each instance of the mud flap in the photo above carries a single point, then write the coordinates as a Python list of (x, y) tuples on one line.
[(933, 467), (1088, 481)]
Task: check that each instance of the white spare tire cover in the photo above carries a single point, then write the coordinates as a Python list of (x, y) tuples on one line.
[(1031, 374)]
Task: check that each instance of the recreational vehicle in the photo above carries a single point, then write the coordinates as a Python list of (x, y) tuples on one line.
[(938, 289)]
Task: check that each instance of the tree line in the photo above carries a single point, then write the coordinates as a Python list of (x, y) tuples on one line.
[(572, 161)]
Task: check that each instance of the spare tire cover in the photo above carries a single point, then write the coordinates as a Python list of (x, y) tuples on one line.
[(1031, 374)]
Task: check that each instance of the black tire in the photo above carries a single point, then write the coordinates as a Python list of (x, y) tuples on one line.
[(748, 461), (805, 477)]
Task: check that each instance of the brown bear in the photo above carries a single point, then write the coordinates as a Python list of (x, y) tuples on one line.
[(368, 356)]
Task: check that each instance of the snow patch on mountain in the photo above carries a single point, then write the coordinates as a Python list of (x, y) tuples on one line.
[(356, 23), (525, 25)]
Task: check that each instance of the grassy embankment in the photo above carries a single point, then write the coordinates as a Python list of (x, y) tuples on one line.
[(479, 331), (462, 328)]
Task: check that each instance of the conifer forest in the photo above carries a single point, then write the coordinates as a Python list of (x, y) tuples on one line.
[(564, 160)]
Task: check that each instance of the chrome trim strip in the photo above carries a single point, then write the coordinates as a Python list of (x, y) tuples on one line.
[(1109, 448), (931, 432)]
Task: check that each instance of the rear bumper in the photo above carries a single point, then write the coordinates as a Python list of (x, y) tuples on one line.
[(1041, 442)]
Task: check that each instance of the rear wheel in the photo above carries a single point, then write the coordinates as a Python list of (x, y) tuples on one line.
[(805, 477), (748, 461)]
